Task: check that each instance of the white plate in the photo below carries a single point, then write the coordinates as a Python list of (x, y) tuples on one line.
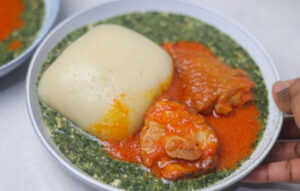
[(51, 11), (101, 12)]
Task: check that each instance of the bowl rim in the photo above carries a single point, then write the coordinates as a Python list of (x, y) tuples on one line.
[(41, 33), (99, 184)]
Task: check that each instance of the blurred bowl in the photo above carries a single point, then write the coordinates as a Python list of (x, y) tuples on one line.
[(105, 11), (51, 11)]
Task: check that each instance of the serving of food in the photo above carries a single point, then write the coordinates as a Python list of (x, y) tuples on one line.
[(152, 101), (23, 20), (24, 24)]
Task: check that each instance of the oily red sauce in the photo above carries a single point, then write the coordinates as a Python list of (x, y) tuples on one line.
[(127, 149), (10, 14), (14, 45), (236, 132)]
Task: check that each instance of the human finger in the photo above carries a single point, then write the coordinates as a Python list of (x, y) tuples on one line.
[(294, 92), (287, 97), (283, 171), (289, 129), (284, 151), (281, 95)]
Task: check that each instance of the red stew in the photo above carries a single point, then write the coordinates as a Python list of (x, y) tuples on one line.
[(10, 14), (236, 132)]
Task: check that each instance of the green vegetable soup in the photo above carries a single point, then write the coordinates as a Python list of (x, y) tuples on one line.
[(29, 23), (86, 151)]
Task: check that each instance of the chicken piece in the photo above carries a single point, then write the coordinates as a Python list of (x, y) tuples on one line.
[(181, 148), (209, 83), (176, 142)]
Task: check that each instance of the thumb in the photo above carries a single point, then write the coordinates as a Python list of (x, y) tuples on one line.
[(287, 97)]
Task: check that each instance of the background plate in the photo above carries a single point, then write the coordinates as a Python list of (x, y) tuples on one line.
[(51, 12)]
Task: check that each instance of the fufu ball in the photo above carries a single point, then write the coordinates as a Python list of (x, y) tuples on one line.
[(105, 81)]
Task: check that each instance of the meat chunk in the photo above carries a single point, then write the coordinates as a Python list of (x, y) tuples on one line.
[(209, 83), (176, 142), (181, 148)]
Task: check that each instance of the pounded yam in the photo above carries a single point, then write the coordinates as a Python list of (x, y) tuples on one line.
[(105, 80)]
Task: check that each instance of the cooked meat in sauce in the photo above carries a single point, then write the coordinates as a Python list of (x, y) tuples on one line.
[(209, 84), (176, 142)]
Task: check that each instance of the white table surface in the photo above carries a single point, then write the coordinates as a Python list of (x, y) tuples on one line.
[(26, 165)]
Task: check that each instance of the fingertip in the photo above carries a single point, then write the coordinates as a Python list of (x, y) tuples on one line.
[(294, 92), (280, 92), (280, 86), (259, 175)]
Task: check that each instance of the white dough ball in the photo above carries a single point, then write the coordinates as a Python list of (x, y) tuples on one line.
[(106, 80)]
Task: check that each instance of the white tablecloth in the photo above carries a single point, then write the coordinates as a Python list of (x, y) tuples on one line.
[(26, 165)]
